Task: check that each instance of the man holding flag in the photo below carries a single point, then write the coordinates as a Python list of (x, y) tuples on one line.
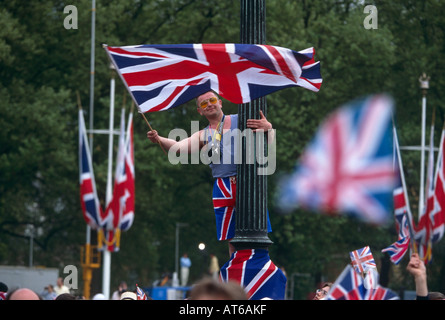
[(217, 137), (160, 77)]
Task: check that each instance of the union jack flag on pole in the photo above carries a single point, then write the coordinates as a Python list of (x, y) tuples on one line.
[(362, 259), (91, 209), (160, 77), (348, 166), (256, 273), (430, 228), (350, 286), (402, 211), (120, 210)]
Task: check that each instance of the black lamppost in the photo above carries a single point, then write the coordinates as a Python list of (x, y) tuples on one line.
[(251, 191), (251, 241)]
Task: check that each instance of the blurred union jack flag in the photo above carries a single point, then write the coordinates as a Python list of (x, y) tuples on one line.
[(348, 166), (256, 273), (350, 286), (160, 77), (362, 259), (91, 209)]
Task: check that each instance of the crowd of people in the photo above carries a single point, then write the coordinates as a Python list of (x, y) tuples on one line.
[(207, 288)]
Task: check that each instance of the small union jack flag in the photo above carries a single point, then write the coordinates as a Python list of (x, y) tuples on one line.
[(160, 77), (349, 286), (256, 273), (362, 259), (398, 249), (141, 293), (91, 209), (348, 166), (224, 203)]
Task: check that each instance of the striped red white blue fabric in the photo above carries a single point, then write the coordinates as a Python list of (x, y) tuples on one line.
[(350, 286), (91, 209), (256, 273), (224, 204), (160, 77), (348, 166), (140, 294)]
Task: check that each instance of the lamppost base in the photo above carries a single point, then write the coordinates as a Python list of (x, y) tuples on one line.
[(250, 240), (256, 273)]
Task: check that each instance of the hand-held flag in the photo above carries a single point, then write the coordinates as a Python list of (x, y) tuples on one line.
[(362, 259), (350, 286), (160, 77), (140, 293)]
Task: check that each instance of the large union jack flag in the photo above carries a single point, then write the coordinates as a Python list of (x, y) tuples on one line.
[(362, 259), (256, 273), (348, 167), (120, 210), (160, 77), (224, 203), (91, 209), (350, 286)]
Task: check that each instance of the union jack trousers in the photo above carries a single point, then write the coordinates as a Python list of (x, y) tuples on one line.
[(224, 204)]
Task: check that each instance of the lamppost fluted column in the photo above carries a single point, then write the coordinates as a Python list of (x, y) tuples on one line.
[(251, 191)]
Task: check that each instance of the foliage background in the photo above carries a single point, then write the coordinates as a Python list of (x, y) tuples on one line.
[(43, 65)]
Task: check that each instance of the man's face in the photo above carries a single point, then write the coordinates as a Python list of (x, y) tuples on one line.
[(322, 293), (208, 104)]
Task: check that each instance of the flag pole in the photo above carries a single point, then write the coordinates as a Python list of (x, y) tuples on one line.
[(106, 269), (424, 85)]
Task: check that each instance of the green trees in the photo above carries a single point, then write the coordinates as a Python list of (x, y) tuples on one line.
[(42, 65)]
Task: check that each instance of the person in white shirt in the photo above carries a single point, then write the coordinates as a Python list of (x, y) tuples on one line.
[(60, 288)]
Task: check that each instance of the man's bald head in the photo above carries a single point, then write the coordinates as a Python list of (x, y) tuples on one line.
[(23, 294)]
